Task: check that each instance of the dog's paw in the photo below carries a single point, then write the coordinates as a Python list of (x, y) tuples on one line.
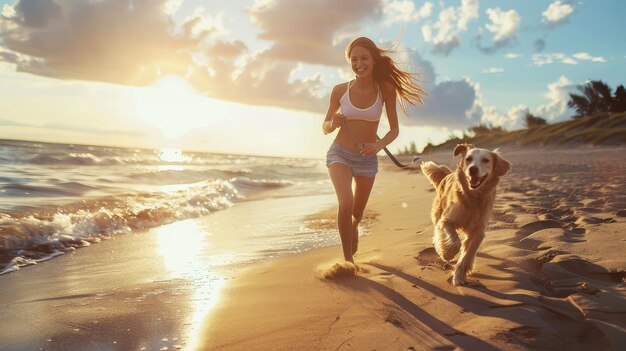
[(458, 278)]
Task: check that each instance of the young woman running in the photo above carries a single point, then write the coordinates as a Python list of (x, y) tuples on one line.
[(356, 108)]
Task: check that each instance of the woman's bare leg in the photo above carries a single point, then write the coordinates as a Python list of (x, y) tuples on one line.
[(362, 190), (341, 176)]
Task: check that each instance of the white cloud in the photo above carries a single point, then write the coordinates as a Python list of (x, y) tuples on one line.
[(294, 27), (558, 95), (447, 36), (205, 22), (427, 33), (541, 59), (404, 11), (171, 7), (512, 119), (483, 113), (426, 10), (345, 74), (101, 41), (492, 70), (583, 56), (545, 59), (259, 80), (557, 13), (512, 56), (504, 24), (467, 12), (569, 61), (8, 11), (451, 22)]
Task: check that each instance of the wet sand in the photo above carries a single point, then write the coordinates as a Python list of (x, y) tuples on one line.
[(147, 290)]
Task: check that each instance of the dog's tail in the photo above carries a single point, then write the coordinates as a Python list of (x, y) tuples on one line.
[(434, 172)]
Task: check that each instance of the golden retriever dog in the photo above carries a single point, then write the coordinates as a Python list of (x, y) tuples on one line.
[(464, 203)]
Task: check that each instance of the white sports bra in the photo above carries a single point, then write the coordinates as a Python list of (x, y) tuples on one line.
[(351, 112)]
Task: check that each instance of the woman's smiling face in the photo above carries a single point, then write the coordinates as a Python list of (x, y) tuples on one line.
[(361, 61)]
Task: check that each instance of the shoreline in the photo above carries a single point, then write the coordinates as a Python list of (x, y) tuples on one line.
[(145, 289)]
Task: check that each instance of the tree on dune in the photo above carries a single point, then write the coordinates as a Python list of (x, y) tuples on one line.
[(596, 97), (619, 101), (483, 129), (533, 121)]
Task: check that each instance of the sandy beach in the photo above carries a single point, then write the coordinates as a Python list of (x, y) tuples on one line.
[(549, 275)]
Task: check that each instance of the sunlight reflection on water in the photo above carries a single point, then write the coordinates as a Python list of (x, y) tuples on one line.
[(173, 155)]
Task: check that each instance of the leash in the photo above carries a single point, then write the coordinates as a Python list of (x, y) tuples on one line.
[(391, 156)]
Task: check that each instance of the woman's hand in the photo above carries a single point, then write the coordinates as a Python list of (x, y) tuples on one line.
[(371, 149), (337, 121)]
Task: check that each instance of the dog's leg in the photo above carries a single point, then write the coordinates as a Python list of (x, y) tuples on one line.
[(446, 240), (466, 260), (471, 251)]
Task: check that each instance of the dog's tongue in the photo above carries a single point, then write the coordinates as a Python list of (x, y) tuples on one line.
[(474, 181)]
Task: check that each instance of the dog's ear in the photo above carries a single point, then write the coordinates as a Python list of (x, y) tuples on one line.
[(462, 148), (500, 166)]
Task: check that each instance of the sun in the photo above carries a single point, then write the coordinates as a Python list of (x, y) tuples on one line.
[(173, 106), (178, 117)]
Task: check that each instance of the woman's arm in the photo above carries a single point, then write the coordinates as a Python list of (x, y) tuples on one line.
[(389, 94), (333, 106)]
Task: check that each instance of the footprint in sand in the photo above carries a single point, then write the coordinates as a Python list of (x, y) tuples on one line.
[(521, 335), (536, 226), (396, 322), (590, 270), (522, 240), (577, 231), (595, 203), (590, 210), (429, 257), (560, 275), (595, 220), (547, 257), (561, 211)]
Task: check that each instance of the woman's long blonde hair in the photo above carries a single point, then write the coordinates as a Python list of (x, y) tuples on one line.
[(385, 70)]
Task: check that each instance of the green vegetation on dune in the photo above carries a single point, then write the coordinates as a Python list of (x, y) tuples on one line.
[(600, 129), (601, 120)]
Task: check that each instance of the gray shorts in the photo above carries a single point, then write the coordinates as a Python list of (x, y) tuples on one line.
[(366, 166)]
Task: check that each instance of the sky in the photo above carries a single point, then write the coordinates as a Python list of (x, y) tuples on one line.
[(254, 77)]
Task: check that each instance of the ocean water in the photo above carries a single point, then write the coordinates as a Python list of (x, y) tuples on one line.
[(56, 198)]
